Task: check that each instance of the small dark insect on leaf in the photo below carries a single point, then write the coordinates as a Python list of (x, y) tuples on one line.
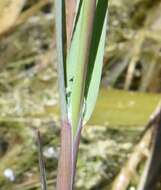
[(41, 163), (71, 79)]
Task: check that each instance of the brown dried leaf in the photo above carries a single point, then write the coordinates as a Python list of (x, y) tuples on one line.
[(9, 11)]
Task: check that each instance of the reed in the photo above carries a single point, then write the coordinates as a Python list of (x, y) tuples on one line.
[(80, 35)]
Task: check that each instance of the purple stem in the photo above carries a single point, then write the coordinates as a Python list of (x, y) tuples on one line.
[(68, 157), (65, 165)]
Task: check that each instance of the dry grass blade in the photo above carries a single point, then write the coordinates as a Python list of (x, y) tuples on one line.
[(9, 12), (148, 75), (140, 152), (136, 55), (24, 16), (153, 118), (31, 11), (151, 174), (128, 172)]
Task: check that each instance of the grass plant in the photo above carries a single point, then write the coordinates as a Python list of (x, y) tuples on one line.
[(80, 38)]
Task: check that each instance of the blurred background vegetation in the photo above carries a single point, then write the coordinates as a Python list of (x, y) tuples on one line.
[(130, 90)]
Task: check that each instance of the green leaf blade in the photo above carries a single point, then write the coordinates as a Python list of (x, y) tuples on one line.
[(96, 58), (78, 61), (61, 52)]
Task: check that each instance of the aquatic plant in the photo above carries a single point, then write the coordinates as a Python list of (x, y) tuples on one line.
[(80, 35)]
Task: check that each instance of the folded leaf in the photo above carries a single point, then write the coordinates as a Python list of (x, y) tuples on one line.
[(61, 51), (96, 58), (78, 60)]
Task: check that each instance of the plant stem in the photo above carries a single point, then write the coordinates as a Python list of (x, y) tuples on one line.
[(67, 158), (65, 167)]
